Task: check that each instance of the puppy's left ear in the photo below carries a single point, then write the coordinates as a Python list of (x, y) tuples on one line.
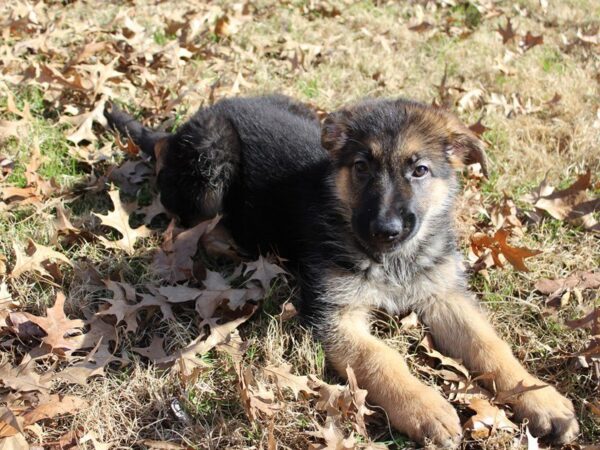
[(464, 147)]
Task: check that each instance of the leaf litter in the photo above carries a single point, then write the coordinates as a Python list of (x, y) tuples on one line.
[(67, 345)]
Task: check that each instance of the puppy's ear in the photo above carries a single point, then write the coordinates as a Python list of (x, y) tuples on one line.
[(334, 131), (464, 147)]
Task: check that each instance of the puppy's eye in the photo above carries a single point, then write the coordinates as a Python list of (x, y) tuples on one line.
[(361, 167), (420, 171)]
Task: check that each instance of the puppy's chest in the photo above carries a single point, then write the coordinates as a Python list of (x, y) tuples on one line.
[(395, 288)]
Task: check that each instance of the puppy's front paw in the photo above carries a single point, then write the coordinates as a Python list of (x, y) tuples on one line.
[(550, 414), (426, 417)]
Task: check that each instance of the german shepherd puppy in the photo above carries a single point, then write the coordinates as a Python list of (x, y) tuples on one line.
[(362, 209)]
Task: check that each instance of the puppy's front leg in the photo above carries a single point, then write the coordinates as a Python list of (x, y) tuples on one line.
[(460, 330), (412, 407)]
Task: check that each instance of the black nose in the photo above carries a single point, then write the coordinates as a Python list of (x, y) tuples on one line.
[(386, 230), (391, 229)]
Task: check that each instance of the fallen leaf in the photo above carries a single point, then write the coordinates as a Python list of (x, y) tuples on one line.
[(173, 261), (579, 280), (263, 271), (570, 204), (421, 27), (34, 259), (119, 220), (10, 424), (530, 41), (57, 326), (497, 246), (155, 351), (256, 399), (507, 33), (55, 405), (487, 420), (285, 379)]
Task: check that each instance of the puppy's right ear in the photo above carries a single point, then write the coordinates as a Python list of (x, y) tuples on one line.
[(334, 131)]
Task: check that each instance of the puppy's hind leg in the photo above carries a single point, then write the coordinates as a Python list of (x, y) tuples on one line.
[(198, 167)]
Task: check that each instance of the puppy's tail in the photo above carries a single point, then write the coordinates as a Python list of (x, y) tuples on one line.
[(144, 137)]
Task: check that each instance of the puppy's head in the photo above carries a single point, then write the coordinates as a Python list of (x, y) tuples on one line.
[(395, 163)]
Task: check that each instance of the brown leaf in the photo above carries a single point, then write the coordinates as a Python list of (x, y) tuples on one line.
[(579, 280), (130, 176), (263, 271), (421, 27), (444, 360), (22, 378), (487, 420), (504, 216), (92, 365), (55, 405), (16, 442), (155, 351), (288, 311), (497, 245), (57, 326), (84, 123), (347, 402), (173, 261), (507, 33), (570, 204), (286, 380), (10, 424), (34, 258), (530, 41), (333, 437), (123, 305), (256, 399), (119, 220)]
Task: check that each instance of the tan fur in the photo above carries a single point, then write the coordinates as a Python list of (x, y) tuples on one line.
[(343, 184), (460, 330), (411, 406)]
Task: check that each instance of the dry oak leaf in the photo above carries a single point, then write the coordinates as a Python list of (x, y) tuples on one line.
[(124, 305), (219, 333), (507, 33), (34, 258), (483, 245), (263, 271), (217, 289), (348, 402), (119, 220), (529, 41), (487, 419), (57, 326), (155, 351), (284, 378), (55, 405), (16, 442), (333, 437), (84, 123), (570, 204), (173, 261), (91, 365), (577, 280), (22, 378), (10, 424), (256, 399), (504, 215)]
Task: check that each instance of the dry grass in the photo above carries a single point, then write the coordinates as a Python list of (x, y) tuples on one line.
[(366, 50)]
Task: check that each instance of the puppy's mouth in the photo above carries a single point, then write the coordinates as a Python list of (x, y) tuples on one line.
[(376, 250)]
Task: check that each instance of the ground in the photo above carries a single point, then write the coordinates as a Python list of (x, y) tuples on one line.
[(529, 71)]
